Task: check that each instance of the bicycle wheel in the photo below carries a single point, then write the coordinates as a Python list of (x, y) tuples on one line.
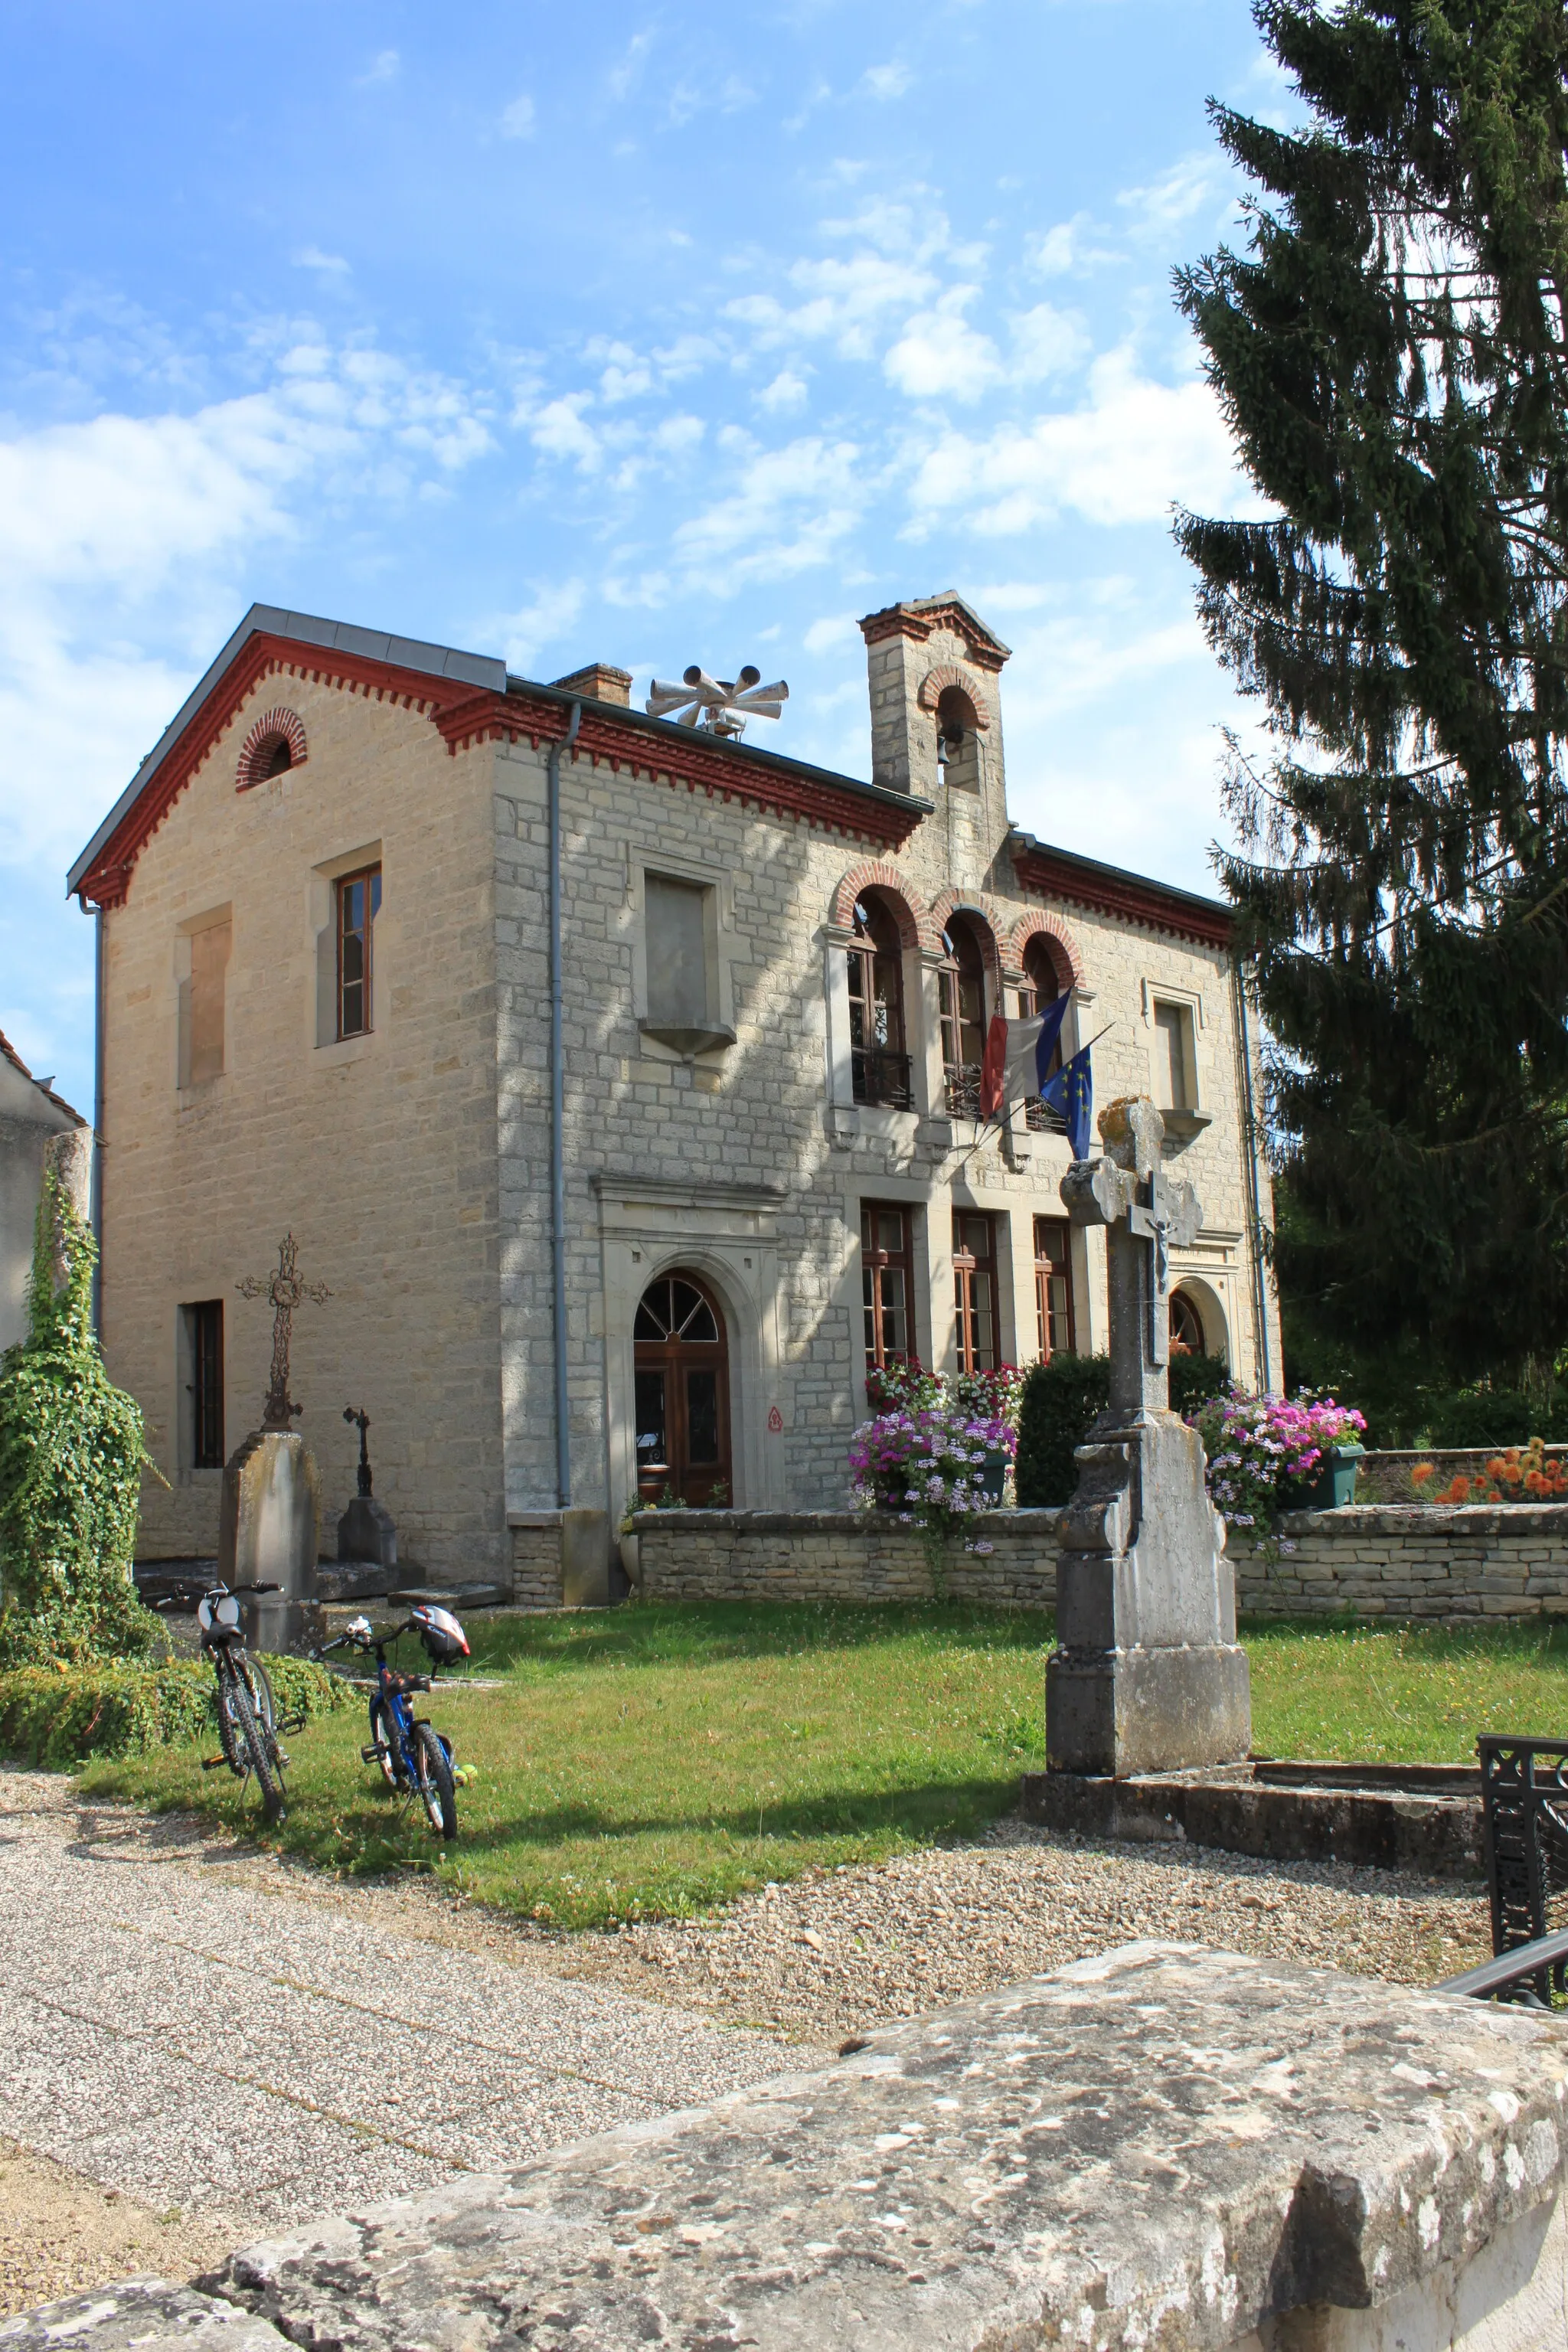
[(262, 1752), (437, 1792), (261, 1697), (230, 1732), (381, 1733)]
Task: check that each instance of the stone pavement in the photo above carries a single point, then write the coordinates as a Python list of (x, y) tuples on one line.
[(174, 2035)]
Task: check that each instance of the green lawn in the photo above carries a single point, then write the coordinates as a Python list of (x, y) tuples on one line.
[(661, 1759)]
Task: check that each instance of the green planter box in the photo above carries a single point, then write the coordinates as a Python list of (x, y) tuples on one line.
[(992, 1477), (1334, 1485)]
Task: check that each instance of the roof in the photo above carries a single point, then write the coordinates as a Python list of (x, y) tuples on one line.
[(469, 698), (8, 1053), (1113, 890)]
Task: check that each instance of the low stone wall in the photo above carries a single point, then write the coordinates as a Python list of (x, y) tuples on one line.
[(841, 1555), (1384, 1476), (1469, 1561), (1463, 1560)]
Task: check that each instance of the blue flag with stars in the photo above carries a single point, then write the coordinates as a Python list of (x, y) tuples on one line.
[(1071, 1094)]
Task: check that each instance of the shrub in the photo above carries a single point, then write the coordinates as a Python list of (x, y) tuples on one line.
[(1062, 1398), (71, 1459), (60, 1715)]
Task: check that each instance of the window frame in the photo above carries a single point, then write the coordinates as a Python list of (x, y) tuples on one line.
[(881, 1071), (976, 1295), (370, 877), (875, 1263), (961, 1079), (1047, 1270), (203, 1350)]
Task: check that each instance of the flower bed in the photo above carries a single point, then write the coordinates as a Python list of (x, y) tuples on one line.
[(937, 1450), (1263, 1452)]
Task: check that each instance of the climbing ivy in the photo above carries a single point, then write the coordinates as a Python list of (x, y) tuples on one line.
[(72, 1458)]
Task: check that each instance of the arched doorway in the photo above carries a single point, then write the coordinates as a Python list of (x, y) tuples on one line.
[(683, 1369)]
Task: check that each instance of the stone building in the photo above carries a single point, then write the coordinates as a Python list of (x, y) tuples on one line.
[(38, 1131), (326, 1006)]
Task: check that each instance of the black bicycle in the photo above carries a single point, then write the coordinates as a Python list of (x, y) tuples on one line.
[(248, 1724)]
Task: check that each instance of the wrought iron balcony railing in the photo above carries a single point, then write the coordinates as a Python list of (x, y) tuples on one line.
[(881, 1077), (963, 1091)]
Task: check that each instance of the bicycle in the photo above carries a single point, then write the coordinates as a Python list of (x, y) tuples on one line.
[(248, 1724), (414, 1757)]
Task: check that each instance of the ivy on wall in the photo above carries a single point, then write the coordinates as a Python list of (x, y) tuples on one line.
[(71, 1459)]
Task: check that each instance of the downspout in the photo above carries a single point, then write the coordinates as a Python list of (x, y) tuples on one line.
[(557, 1119), (1254, 1196), (95, 1196)]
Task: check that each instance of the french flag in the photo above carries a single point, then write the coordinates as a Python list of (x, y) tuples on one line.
[(1019, 1056)]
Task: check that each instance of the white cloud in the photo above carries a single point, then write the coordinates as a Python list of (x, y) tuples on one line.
[(786, 393), (559, 430), (1179, 193), (831, 634), (550, 614), (678, 434), (1047, 343), (788, 509), (1132, 449), (887, 81), (1070, 249), (845, 301), (517, 119), (386, 67), (331, 265), (623, 77), (940, 353)]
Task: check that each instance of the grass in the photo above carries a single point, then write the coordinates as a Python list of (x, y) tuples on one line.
[(663, 1759)]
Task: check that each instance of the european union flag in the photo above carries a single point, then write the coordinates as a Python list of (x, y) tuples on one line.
[(1071, 1094)]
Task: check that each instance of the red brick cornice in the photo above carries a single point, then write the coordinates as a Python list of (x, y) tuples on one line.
[(107, 880), (463, 717), (916, 622), (680, 757), (1053, 874)]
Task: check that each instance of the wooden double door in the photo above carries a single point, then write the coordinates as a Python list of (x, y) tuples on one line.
[(682, 1374)]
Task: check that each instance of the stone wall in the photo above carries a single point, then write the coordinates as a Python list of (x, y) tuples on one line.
[(1376, 1561)]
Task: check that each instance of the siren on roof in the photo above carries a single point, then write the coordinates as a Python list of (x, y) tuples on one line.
[(720, 705)]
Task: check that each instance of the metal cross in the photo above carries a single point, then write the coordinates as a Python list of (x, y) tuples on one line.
[(358, 1413), (286, 1290)]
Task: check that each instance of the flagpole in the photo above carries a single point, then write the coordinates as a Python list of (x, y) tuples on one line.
[(980, 1138)]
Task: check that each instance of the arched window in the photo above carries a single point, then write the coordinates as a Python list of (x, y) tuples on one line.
[(1186, 1327), (880, 1064), (682, 1371), (958, 739), (1043, 987), (963, 989)]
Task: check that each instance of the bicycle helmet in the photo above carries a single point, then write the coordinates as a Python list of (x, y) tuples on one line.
[(439, 1631)]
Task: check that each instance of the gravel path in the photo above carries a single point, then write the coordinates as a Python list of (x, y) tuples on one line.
[(201, 2046)]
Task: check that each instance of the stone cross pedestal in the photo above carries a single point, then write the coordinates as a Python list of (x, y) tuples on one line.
[(1147, 1675), (268, 1517)]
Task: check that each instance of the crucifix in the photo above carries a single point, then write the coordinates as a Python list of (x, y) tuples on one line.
[(285, 1290), (1142, 1213), (358, 1413)]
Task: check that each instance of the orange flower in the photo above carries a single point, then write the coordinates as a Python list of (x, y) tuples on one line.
[(1497, 1467), (1534, 1483), (1458, 1491), (1511, 1472), (1513, 1456), (1422, 1472)]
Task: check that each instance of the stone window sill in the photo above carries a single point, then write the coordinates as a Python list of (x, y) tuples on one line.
[(713, 1037)]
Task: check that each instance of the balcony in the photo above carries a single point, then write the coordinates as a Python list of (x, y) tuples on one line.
[(1041, 1120), (962, 1086), (881, 1077)]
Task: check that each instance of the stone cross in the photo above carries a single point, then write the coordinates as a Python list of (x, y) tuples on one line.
[(1143, 1213), (286, 1290)]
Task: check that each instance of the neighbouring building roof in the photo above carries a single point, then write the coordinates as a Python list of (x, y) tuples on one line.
[(41, 1086)]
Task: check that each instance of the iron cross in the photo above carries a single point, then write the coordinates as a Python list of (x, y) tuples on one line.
[(286, 1290)]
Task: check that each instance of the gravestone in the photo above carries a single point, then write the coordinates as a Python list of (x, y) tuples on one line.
[(270, 1510), (1147, 1675), (367, 1531)]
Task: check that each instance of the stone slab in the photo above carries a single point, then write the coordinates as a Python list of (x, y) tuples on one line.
[(1380, 1825), (1165, 2147), (140, 2315)]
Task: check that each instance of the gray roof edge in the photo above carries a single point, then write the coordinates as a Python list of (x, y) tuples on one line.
[(478, 670), (1122, 874)]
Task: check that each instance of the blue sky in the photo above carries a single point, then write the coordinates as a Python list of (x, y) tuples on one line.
[(649, 334)]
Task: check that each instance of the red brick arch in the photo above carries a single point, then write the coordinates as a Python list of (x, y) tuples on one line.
[(914, 929), (956, 902), (282, 725), (936, 682), (1060, 944)]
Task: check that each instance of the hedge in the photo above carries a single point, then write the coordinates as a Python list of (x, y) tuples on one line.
[(1061, 1398), (61, 1716)]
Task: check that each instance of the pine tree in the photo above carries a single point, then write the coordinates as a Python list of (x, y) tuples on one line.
[(1390, 350)]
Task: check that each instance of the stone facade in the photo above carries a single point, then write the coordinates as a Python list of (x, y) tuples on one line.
[(38, 1131), (413, 1165), (1460, 1564)]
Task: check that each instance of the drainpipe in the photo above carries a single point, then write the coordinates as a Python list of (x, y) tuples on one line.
[(557, 1119), (1254, 1195), (95, 1209)]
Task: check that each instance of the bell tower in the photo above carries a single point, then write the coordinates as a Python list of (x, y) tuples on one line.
[(934, 672)]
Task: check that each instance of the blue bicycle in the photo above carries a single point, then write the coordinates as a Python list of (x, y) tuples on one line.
[(412, 1756)]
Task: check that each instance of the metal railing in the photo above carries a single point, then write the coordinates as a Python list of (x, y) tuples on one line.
[(1511, 1972), (963, 1090), (879, 1076), (1524, 1811), (1041, 1120)]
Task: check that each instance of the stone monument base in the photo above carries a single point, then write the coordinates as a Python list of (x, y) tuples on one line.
[(267, 1535), (1138, 1710), (368, 1532)]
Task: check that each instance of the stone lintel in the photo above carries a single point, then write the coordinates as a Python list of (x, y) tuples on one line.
[(1166, 2144)]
